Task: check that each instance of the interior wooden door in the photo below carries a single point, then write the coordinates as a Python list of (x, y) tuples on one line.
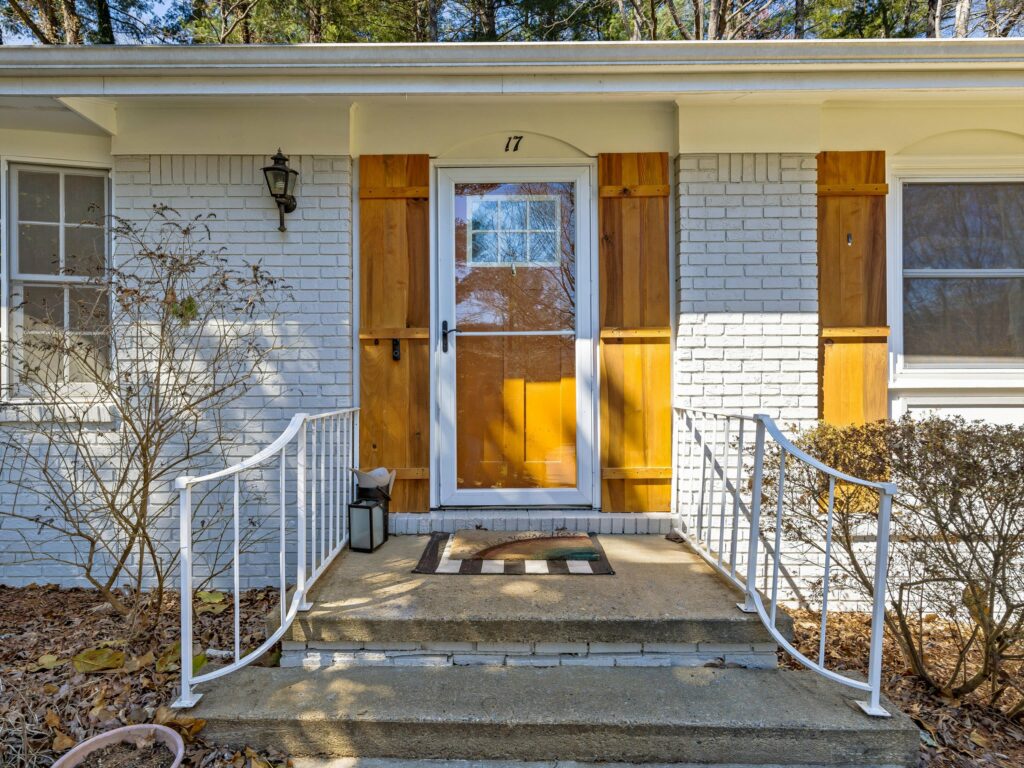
[(516, 348)]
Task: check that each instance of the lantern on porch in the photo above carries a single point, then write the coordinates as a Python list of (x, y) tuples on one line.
[(367, 525), (281, 183)]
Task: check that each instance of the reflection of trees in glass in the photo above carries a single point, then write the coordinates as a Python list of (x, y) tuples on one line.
[(963, 226), (517, 296), (964, 317)]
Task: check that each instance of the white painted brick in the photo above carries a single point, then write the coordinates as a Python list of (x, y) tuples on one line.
[(598, 660), (617, 648), (642, 660), (532, 661), (505, 648), (478, 659), (560, 648)]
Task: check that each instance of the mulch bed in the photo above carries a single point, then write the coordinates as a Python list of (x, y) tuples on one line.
[(47, 706), (954, 734)]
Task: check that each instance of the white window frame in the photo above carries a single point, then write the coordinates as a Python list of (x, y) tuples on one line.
[(963, 376), (470, 231), (10, 389)]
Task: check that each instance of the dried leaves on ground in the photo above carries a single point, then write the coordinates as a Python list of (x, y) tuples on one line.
[(71, 668), (954, 733)]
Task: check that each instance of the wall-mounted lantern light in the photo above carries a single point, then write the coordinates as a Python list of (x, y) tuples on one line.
[(281, 183)]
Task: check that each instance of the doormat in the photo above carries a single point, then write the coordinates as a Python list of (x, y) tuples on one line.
[(520, 553)]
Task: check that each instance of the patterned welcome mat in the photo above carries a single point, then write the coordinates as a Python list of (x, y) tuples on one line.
[(519, 553)]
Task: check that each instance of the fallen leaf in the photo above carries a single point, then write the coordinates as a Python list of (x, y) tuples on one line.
[(980, 739), (198, 662), (256, 760), (51, 718), (98, 659), (168, 661), (211, 597), (49, 661), (62, 742), (134, 665), (186, 725)]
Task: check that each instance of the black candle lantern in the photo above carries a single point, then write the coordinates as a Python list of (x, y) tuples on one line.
[(281, 183), (367, 525)]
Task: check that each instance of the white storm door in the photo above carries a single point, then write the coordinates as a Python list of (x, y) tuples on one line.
[(515, 344)]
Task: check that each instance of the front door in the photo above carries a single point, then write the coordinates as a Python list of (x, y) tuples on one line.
[(515, 352)]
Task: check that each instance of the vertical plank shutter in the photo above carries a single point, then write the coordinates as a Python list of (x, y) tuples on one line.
[(853, 352), (394, 294), (635, 344)]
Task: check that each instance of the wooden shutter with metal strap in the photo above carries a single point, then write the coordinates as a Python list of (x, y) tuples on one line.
[(853, 356), (636, 347), (394, 247)]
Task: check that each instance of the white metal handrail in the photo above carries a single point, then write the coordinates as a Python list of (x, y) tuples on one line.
[(718, 501), (325, 448)]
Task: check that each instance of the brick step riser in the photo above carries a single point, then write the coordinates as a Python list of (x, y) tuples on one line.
[(319, 655)]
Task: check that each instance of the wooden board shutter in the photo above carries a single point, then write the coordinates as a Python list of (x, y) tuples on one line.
[(636, 346), (853, 353), (394, 248)]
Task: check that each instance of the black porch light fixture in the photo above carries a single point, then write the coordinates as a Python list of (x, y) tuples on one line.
[(281, 183)]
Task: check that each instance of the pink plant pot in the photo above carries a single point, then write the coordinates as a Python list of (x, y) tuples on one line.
[(166, 736)]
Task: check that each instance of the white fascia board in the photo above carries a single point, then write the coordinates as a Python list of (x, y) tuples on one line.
[(171, 84), (519, 68)]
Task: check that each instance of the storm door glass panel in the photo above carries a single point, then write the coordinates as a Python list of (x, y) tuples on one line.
[(515, 309)]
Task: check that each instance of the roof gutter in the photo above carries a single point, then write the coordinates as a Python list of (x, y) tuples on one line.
[(608, 67)]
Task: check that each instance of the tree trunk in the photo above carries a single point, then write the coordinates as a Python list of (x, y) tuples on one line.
[(934, 28), (963, 15), (72, 22), (104, 24), (799, 20)]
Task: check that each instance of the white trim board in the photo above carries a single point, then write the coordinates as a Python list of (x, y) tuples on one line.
[(584, 521)]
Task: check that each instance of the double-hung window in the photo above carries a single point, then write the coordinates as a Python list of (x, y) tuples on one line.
[(58, 245), (962, 271)]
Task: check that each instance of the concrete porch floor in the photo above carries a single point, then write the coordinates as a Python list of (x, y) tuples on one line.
[(661, 592)]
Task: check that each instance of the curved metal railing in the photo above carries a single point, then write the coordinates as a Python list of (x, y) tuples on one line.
[(719, 494), (325, 448)]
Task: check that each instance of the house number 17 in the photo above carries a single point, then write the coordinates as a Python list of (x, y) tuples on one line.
[(512, 145)]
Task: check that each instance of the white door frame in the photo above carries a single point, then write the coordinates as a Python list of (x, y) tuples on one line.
[(587, 491)]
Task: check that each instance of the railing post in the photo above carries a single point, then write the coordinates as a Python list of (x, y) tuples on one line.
[(748, 606), (187, 697), (873, 706), (300, 514)]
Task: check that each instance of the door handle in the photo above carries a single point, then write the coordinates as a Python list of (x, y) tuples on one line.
[(445, 330)]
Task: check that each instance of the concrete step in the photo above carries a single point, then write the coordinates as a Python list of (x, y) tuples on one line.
[(661, 593), (635, 715)]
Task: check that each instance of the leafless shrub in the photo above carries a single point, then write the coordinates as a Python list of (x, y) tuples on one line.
[(112, 404), (957, 544)]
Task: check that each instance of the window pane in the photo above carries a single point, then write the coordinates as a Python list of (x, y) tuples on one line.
[(956, 320), (38, 196), (84, 200), (515, 256), (963, 226), (43, 307), (89, 357), (88, 309), (84, 250), (38, 249)]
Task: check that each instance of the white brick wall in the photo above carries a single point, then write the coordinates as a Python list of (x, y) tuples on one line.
[(747, 282), (748, 303), (313, 370)]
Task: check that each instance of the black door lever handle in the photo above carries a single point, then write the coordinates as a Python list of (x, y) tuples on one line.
[(445, 330)]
